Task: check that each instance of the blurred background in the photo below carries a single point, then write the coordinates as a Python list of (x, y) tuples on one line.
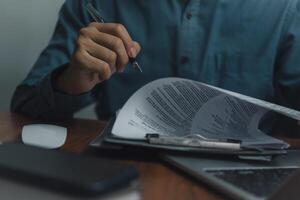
[(26, 27)]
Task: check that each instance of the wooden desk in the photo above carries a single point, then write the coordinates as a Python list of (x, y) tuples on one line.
[(158, 181)]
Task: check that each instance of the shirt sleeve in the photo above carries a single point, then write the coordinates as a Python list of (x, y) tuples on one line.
[(287, 69), (35, 96)]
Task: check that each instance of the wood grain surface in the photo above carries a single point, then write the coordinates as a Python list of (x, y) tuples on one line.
[(157, 179)]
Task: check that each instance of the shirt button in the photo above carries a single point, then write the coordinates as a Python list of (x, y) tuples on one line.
[(189, 15), (184, 60)]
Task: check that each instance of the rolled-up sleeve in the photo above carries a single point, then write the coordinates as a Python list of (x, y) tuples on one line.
[(35, 96)]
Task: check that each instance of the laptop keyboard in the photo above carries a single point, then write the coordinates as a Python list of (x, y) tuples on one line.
[(260, 182)]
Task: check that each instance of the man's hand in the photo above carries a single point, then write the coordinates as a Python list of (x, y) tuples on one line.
[(101, 50)]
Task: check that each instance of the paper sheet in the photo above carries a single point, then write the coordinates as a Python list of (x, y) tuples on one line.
[(180, 107)]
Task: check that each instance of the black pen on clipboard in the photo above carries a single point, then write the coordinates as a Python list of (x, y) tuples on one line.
[(97, 18)]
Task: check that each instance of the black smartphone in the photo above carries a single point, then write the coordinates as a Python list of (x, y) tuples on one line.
[(69, 173)]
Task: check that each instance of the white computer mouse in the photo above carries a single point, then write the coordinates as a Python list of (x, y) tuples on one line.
[(44, 135)]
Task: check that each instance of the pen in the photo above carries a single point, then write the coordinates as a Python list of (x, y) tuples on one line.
[(97, 18)]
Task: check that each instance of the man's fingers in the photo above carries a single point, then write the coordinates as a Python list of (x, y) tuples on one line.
[(110, 43), (93, 65), (119, 31), (116, 45), (137, 47), (101, 67), (102, 53)]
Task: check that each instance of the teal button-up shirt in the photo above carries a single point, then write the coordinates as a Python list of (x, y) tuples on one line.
[(247, 46)]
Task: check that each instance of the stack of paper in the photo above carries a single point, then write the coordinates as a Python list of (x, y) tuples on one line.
[(181, 107)]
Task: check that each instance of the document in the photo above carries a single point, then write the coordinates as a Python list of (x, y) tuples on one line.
[(182, 107)]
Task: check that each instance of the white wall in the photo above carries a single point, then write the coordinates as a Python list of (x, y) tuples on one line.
[(25, 29)]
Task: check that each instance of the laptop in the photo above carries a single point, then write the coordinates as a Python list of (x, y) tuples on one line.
[(245, 179)]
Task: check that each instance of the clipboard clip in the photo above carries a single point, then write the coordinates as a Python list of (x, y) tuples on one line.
[(223, 144)]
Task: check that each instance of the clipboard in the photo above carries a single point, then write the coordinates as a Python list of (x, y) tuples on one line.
[(107, 140)]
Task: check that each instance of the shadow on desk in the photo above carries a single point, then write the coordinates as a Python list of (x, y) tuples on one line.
[(124, 154)]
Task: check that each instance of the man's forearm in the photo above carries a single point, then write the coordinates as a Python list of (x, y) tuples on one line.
[(44, 102)]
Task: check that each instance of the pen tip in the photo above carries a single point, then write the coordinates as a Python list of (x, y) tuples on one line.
[(137, 66)]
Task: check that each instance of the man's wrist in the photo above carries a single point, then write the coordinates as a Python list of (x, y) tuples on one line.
[(62, 81)]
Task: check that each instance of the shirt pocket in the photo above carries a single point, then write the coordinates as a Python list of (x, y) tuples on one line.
[(246, 74)]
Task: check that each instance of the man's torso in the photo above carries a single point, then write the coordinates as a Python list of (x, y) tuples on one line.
[(231, 44)]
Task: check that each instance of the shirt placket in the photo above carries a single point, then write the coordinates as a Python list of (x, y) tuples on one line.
[(190, 37)]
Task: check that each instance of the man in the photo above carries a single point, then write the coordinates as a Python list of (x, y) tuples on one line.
[(248, 46)]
